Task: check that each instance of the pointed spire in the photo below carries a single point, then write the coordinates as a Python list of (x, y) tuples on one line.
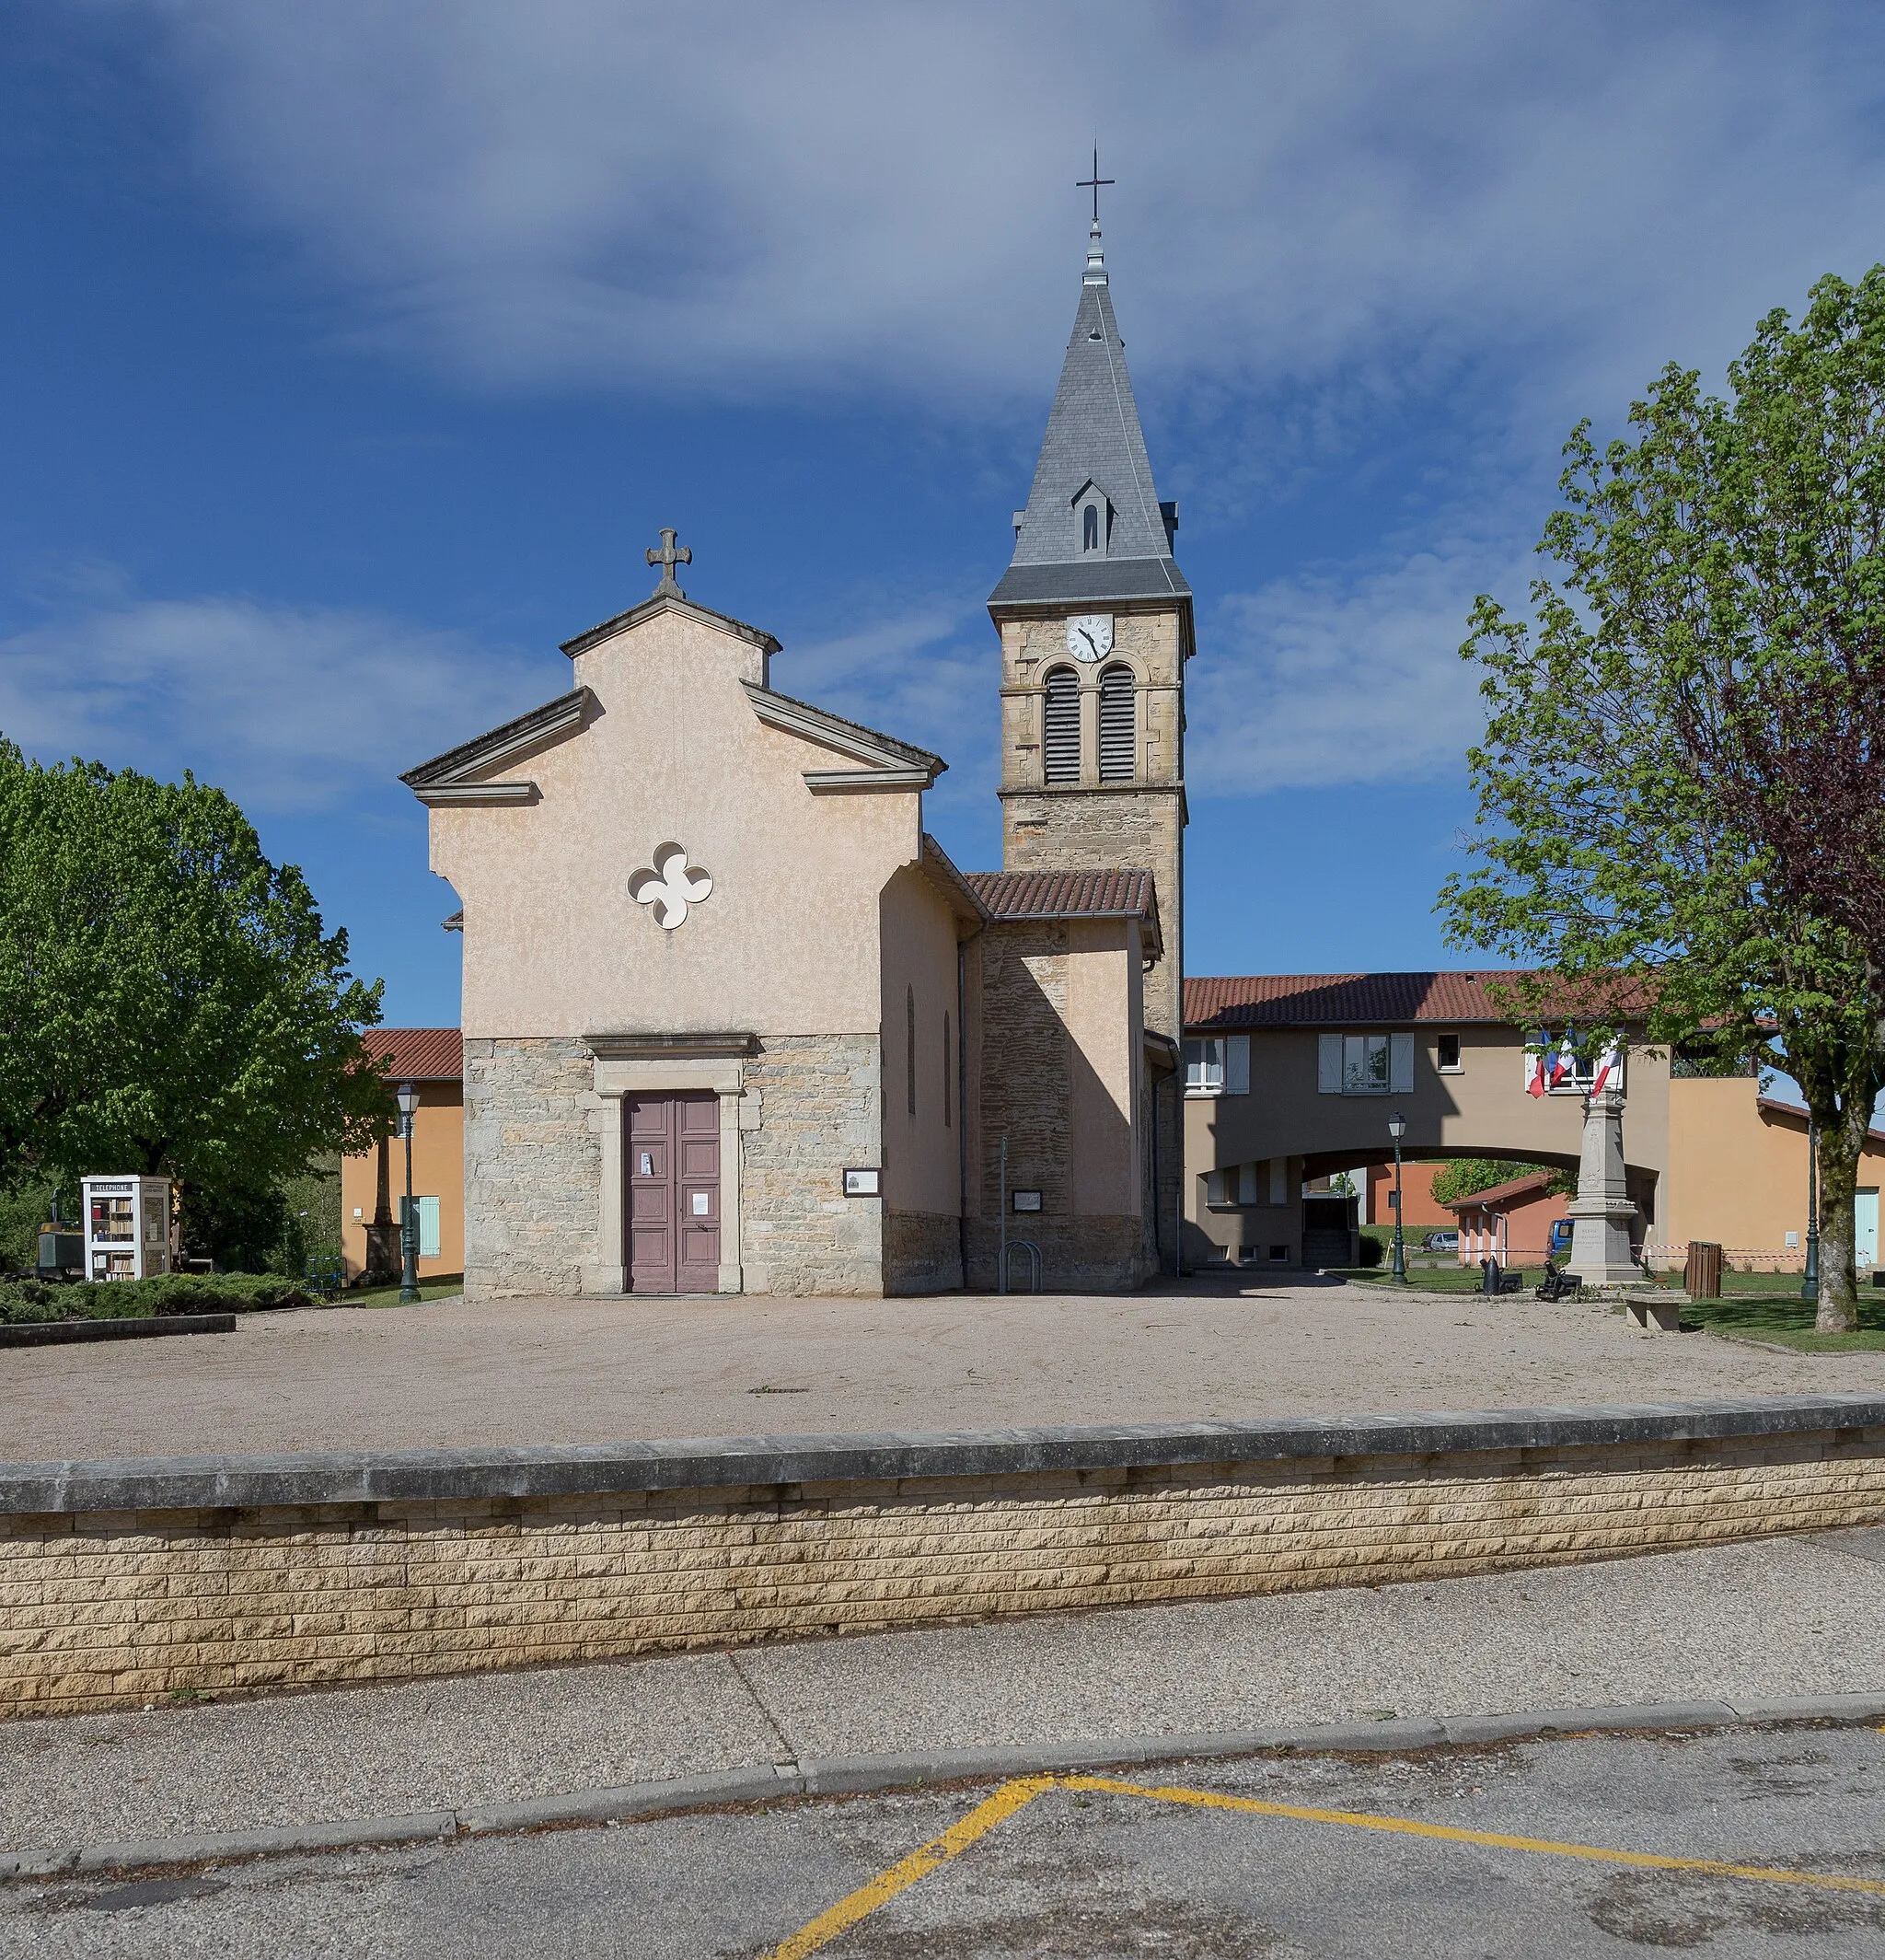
[(1093, 528)]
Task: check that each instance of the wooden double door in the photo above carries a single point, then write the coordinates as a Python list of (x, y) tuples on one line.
[(672, 1197)]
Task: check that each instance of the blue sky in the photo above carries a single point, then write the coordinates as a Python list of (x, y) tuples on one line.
[(353, 354)]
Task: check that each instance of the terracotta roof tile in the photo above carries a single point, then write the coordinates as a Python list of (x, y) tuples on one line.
[(1376, 1000), (419, 1054), (1064, 894), (1532, 1184)]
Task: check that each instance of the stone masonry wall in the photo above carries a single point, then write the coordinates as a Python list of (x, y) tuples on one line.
[(101, 1610), (532, 1166), (922, 1252), (819, 1108)]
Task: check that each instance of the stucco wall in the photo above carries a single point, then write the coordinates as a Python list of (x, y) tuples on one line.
[(1738, 1174), (112, 1608), (1482, 1110), (438, 1171), (554, 943), (922, 1170)]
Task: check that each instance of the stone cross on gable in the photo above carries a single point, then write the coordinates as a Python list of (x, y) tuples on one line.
[(667, 558)]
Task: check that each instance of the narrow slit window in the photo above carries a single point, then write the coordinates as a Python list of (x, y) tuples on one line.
[(1118, 724), (947, 1071), (909, 1015), (1061, 729), (1090, 529)]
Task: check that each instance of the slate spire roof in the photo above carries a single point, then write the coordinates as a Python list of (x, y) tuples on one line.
[(1094, 441)]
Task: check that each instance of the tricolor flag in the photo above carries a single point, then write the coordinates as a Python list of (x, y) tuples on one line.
[(1611, 1061), (1534, 1082), (1564, 1064)]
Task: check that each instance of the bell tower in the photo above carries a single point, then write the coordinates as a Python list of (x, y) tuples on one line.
[(1095, 620)]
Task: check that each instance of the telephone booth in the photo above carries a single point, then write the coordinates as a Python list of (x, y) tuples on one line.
[(129, 1223)]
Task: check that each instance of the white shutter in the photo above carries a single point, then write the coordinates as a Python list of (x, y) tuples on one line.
[(1280, 1181), (1246, 1183), (1401, 1067), (1328, 1065), (1527, 1061), (1237, 1065)]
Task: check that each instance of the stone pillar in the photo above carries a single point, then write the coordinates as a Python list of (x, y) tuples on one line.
[(1602, 1211)]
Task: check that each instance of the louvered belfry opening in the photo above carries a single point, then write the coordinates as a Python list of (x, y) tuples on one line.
[(1118, 708), (1060, 730)]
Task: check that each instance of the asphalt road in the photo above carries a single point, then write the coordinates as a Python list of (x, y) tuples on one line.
[(1079, 1871)]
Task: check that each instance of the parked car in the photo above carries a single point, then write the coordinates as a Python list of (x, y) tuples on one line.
[(1440, 1242)]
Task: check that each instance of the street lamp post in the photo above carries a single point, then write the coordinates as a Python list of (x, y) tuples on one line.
[(1810, 1278), (408, 1220), (1397, 1128)]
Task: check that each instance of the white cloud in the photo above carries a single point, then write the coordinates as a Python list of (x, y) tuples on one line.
[(1348, 675), (287, 707), (844, 194)]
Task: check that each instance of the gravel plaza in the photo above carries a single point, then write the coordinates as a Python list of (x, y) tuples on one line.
[(541, 1372)]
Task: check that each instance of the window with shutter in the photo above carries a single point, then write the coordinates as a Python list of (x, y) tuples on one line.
[(1236, 1064), (1119, 723), (1060, 726)]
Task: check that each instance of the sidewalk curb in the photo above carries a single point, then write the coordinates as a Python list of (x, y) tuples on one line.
[(910, 1769)]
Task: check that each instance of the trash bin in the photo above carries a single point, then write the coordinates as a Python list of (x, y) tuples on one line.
[(1702, 1274)]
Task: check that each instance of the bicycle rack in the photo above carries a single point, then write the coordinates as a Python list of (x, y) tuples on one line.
[(1034, 1253)]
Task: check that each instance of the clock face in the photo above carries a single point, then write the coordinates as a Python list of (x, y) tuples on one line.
[(1089, 635)]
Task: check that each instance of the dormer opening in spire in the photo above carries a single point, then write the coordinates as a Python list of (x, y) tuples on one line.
[(1093, 519)]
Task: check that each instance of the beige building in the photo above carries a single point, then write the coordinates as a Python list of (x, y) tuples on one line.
[(733, 1021), (1288, 1077)]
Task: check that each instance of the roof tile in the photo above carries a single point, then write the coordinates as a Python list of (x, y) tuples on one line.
[(418, 1054)]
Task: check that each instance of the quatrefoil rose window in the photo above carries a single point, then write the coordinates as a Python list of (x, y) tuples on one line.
[(670, 886)]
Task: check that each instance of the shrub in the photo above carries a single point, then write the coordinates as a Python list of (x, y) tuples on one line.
[(1372, 1250), (172, 1293)]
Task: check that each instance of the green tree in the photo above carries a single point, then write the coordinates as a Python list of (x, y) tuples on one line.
[(1460, 1177), (170, 1003), (1614, 847)]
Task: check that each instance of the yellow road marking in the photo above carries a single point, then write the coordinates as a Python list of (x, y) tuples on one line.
[(1017, 1795), (921, 1862), (1454, 1833)]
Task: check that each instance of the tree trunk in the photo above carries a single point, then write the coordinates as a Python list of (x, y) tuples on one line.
[(1836, 1079), (1842, 1137)]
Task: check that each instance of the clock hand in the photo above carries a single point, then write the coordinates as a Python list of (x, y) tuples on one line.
[(1089, 638)]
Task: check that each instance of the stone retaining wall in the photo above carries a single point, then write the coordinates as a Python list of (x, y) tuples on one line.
[(121, 1583)]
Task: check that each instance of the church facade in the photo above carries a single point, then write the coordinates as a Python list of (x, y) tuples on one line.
[(733, 1020)]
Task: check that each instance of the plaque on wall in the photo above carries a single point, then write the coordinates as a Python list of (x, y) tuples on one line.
[(861, 1184), (1028, 1200)]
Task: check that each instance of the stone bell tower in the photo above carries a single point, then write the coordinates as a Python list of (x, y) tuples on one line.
[(1096, 626)]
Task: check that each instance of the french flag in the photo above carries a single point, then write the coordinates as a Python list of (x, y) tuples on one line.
[(1564, 1064), (1612, 1061), (1534, 1084)]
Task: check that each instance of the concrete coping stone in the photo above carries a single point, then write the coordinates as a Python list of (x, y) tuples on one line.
[(343, 1476)]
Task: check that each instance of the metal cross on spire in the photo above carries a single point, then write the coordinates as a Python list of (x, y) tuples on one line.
[(1093, 183), (670, 555)]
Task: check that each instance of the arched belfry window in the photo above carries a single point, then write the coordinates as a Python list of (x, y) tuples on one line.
[(1118, 724), (1060, 726), (1090, 528)]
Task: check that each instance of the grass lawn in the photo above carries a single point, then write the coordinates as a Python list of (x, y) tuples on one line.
[(1784, 1318), (439, 1286)]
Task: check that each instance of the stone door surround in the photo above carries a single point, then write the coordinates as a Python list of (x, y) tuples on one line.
[(632, 1063)]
